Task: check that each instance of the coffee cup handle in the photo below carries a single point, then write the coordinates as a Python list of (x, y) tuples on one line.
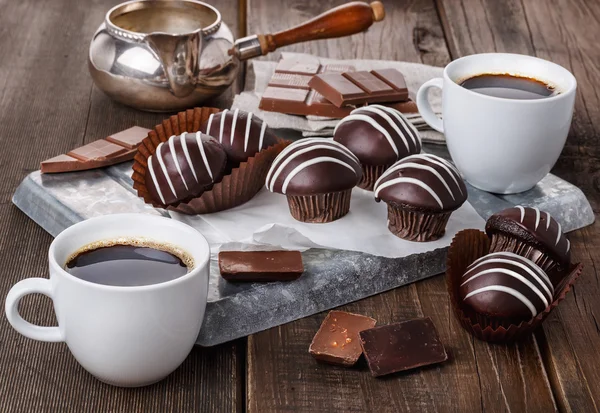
[(20, 290), (425, 108)]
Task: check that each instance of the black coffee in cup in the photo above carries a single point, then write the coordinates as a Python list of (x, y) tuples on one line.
[(128, 263), (509, 86)]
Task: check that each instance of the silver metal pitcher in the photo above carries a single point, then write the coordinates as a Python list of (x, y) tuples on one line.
[(169, 55)]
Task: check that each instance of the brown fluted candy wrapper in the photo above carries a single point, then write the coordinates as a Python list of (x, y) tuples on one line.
[(319, 209), (237, 187), (469, 245), (371, 173), (416, 225)]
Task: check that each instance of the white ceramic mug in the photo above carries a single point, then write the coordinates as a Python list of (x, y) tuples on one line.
[(502, 145), (125, 336)]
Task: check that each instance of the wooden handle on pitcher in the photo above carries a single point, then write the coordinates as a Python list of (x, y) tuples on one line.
[(343, 20)]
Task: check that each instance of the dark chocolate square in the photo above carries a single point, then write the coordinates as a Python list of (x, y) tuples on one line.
[(402, 346)]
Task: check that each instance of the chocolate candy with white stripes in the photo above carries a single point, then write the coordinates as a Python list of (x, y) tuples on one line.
[(421, 192), (532, 233), (378, 136), (242, 134), (506, 287), (317, 176), (184, 167)]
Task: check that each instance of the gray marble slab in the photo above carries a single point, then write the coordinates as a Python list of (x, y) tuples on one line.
[(332, 278)]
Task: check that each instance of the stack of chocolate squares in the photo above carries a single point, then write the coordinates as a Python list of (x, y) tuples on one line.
[(333, 91)]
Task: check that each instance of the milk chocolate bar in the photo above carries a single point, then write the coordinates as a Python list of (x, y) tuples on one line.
[(359, 88), (402, 346), (288, 90), (337, 341), (246, 266), (116, 148)]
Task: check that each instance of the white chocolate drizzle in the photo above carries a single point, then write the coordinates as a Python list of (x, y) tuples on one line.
[(203, 154), (506, 290), (222, 123), (263, 129), (384, 115), (537, 218), (413, 132), (520, 208), (164, 168), (154, 181), (308, 163), (373, 123), (285, 157), (412, 181), (176, 160), (209, 124), (187, 155), (500, 257), (247, 134), (233, 125)]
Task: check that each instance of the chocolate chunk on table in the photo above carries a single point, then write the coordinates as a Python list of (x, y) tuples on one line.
[(337, 341), (356, 88), (246, 266), (116, 148), (402, 346)]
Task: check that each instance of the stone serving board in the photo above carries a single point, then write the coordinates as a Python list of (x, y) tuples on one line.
[(332, 277)]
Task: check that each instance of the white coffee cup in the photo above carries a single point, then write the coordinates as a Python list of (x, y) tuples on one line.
[(502, 145), (125, 336)]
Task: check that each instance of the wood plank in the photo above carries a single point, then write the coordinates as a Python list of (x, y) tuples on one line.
[(282, 376), (48, 106), (564, 32)]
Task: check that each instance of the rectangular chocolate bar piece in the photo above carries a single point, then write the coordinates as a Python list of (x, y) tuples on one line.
[(246, 266), (402, 346), (116, 148), (288, 90), (337, 341), (359, 88)]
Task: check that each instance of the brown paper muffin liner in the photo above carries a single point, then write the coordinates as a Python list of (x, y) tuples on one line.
[(416, 225), (503, 242), (469, 245), (319, 209), (371, 174), (237, 187)]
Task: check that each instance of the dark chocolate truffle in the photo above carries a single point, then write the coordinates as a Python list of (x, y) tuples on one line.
[(531, 233), (378, 136), (242, 134), (421, 192), (506, 287), (317, 176), (313, 166), (184, 167)]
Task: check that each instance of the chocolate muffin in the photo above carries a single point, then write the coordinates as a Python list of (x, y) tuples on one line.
[(378, 136), (184, 167), (533, 234), (242, 134), (317, 176), (421, 192), (503, 288)]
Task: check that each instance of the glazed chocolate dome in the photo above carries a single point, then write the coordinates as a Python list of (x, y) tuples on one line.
[(242, 134), (378, 135), (531, 233), (506, 286), (183, 167), (313, 166), (422, 182)]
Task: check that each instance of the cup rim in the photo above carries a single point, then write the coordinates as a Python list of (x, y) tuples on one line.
[(131, 289), (555, 98)]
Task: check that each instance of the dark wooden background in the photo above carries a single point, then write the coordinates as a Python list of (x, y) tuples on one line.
[(48, 105)]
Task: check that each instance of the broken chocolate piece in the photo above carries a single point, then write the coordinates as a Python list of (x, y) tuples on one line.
[(359, 88), (246, 266), (402, 346), (337, 341), (288, 90), (117, 148)]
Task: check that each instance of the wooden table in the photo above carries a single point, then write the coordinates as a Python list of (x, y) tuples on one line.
[(48, 106)]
